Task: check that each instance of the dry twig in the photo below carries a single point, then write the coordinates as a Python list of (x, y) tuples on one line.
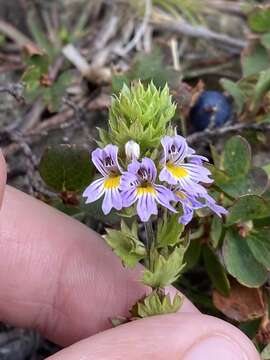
[(209, 134)]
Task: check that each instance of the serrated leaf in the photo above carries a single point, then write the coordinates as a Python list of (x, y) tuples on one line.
[(237, 156), (165, 270), (258, 242), (215, 271), (246, 208), (236, 92), (240, 262), (66, 168), (126, 245), (156, 304), (265, 354), (169, 231)]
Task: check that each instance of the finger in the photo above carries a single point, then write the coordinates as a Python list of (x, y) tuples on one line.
[(58, 276), (3, 176), (179, 336)]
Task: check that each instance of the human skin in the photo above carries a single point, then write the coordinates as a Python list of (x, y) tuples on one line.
[(59, 277)]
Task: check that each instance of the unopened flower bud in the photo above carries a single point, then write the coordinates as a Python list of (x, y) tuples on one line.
[(132, 150)]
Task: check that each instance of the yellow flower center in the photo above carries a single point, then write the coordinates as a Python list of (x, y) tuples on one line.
[(177, 171), (112, 182), (143, 190), (180, 194)]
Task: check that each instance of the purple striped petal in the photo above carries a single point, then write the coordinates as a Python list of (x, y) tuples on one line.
[(112, 199), (117, 199), (187, 214), (182, 148), (129, 197), (164, 196), (211, 203), (112, 152), (134, 166), (107, 204), (94, 191), (151, 169), (106, 160), (175, 148), (197, 173), (97, 159), (127, 181), (146, 207)]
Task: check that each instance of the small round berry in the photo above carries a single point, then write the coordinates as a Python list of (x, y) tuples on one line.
[(211, 109)]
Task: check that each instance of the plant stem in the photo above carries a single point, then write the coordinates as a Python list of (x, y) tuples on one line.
[(150, 240)]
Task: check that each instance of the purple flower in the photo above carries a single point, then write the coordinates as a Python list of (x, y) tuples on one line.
[(181, 166), (210, 202), (190, 203), (105, 160), (138, 184)]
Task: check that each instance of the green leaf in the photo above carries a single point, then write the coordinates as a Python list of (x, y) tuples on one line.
[(53, 94), (192, 255), (40, 61), (39, 34), (66, 168), (246, 208), (255, 61), (266, 168), (250, 328), (265, 355), (259, 243), (165, 269), (94, 210), (240, 262), (215, 271), (261, 88), (126, 245), (265, 40), (255, 182), (259, 19), (216, 231), (235, 91), (156, 304), (237, 156), (169, 231)]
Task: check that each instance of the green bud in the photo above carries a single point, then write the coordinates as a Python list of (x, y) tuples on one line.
[(140, 114)]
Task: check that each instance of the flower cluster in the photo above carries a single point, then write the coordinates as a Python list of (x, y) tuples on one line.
[(181, 177)]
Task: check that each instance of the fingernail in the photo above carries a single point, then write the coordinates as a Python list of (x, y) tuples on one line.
[(216, 347)]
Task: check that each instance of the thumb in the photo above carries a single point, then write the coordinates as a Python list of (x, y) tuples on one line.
[(176, 336)]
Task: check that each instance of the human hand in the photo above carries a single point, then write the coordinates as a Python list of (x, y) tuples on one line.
[(59, 277)]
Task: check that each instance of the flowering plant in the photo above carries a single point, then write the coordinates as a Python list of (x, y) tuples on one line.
[(149, 172)]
